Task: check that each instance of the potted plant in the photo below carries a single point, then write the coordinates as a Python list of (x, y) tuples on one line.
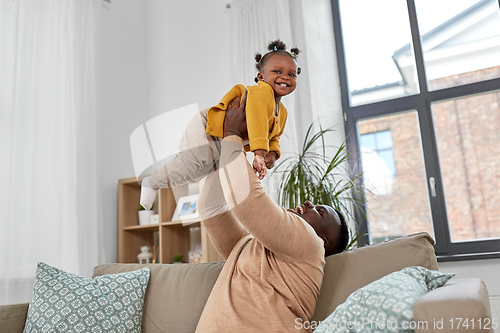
[(310, 174), (178, 259), (144, 214)]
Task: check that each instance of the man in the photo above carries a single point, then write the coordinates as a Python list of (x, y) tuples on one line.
[(274, 257)]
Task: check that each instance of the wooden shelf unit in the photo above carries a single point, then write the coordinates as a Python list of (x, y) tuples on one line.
[(172, 237)]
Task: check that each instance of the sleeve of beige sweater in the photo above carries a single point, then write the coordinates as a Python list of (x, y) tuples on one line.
[(220, 223), (282, 232)]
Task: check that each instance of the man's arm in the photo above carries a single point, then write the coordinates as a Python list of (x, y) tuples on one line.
[(221, 224), (282, 232)]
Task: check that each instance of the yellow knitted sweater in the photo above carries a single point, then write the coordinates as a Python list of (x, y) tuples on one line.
[(264, 127)]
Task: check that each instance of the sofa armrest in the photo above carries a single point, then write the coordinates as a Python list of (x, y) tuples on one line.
[(13, 317), (442, 307)]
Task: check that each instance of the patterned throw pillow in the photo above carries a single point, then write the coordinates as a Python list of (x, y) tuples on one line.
[(385, 305), (64, 302)]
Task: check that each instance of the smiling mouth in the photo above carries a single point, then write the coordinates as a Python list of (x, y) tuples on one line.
[(283, 84)]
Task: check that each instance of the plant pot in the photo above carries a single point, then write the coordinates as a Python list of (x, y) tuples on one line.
[(144, 216)]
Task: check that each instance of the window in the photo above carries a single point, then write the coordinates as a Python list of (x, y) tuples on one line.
[(419, 82), (379, 144), (468, 143), (396, 203)]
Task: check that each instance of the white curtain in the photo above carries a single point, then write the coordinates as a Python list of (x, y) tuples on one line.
[(254, 23), (48, 185)]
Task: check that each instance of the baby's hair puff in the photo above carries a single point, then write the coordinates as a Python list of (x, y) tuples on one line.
[(275, 47)]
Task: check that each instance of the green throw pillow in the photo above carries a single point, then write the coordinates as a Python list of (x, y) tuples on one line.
[(64, 302), (385, 305)]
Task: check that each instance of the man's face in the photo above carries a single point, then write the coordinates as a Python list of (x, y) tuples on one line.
[(323, 219)]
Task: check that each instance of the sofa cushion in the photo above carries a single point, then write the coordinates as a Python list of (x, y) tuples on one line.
[(385, 304), (13, 317), (350, 270), (176, 295), (64, 302)]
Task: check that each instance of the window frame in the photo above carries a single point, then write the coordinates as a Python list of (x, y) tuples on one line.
[(446, 250)]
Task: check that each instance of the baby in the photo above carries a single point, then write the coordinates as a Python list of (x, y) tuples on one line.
[(266, 119), (266, 115)]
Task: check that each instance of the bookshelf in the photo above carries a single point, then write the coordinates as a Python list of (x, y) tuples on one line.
[(170, 238)]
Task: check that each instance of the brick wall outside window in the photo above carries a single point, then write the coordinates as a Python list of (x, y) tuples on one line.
[(468, 135)]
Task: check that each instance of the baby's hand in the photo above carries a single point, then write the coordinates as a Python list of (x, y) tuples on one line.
[(259, 166), (270, 159)]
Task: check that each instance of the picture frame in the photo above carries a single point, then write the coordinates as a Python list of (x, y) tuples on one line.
[(186, 210), (154, 219)]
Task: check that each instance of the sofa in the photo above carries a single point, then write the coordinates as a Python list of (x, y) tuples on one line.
[(177, 293)]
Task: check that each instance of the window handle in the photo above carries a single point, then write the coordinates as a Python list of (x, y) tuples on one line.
[(432, 184)]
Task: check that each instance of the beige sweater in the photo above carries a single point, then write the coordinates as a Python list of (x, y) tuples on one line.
[(274, 259)]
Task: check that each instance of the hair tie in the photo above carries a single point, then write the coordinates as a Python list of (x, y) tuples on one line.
[(275, 48)]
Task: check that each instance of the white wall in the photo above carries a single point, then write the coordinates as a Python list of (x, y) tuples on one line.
[(188, 53), (188, 57), (154, 56), (122, 104), (487, 270)]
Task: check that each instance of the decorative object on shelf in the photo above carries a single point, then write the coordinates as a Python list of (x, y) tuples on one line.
[(194, 257), (186, 209), (154, 219), (178, 259), (145, 215), (154, 252), (145, 257)]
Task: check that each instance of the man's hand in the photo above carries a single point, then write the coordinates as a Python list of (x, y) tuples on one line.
[(235, 120)]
